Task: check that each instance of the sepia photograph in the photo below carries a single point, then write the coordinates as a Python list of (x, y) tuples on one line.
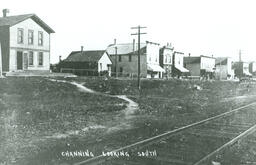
[(128, 82)]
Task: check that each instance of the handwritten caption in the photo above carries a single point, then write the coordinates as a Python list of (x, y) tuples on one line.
[(87, 153)]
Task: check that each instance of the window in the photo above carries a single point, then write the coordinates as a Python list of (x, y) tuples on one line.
[(121, 69), (40, 58), (130, 57), (20, 36), (40, 38), (119, 58), (31, 58), (30, 37)]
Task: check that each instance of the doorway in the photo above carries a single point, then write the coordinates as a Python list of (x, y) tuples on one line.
[(19, 60)]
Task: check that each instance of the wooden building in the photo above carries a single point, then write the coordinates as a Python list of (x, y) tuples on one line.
[(241, 69), (25, 41), (200, 66), (224, 69), (125, 59), (88, 63)]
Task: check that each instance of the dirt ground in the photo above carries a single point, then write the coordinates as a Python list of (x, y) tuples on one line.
[(41, 120)]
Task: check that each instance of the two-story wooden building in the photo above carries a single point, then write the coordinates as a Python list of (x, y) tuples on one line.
[(165, 59), (125, 59), (25, 41), (172, 62)]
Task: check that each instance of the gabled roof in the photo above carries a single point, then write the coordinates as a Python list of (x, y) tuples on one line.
[(85, 56), (13, 20), (123, 49)]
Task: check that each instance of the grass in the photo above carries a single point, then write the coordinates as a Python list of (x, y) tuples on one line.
[(34, 110)]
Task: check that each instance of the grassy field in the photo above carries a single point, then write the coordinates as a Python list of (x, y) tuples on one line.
[(39, 118), (34, 109)]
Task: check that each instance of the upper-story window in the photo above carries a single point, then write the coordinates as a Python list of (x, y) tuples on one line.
[(40, 38), (20, 36), (30, 37)]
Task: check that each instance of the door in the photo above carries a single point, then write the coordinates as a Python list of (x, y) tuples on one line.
[(19, 60), (25, 61)]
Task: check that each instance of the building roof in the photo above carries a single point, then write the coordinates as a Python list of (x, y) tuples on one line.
[(85, 56), (194, 59), (123, 49), (190, 60), (13, 20)]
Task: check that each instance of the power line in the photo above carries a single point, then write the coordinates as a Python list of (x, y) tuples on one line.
[(138, 34)]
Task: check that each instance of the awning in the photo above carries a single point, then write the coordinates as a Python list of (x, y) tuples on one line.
[(246, 72), (181, 68), (155, 68)]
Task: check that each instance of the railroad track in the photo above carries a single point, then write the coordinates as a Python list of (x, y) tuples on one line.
[(194, 144)]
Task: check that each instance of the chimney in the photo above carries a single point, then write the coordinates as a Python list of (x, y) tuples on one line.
[(114, 41), (59, 58), (82, 48), (133, 45), (5, 11), (189, 54)]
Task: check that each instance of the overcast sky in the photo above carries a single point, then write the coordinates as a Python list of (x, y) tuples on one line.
[(199, 27)]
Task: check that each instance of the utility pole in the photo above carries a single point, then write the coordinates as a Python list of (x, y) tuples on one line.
[(116, 61), (138, 34), (1, 69), (115, 58)]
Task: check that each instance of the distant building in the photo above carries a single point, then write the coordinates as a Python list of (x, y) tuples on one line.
[(200, 66), (178, 64), (165, 59), (241, 69), (25, 43), (88, 63), (224, 69), (252, 68), (172, 62), (125, 59)]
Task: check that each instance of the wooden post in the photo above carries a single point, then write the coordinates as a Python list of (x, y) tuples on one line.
[(138, 34), (1, 66)]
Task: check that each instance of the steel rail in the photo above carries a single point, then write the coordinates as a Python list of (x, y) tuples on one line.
[(101, 158)]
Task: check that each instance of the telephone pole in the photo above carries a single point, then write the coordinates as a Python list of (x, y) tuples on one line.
[(1, 69), (115, 58), (138, 34)]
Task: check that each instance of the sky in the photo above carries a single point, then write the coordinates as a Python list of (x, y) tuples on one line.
[(200, 27)]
